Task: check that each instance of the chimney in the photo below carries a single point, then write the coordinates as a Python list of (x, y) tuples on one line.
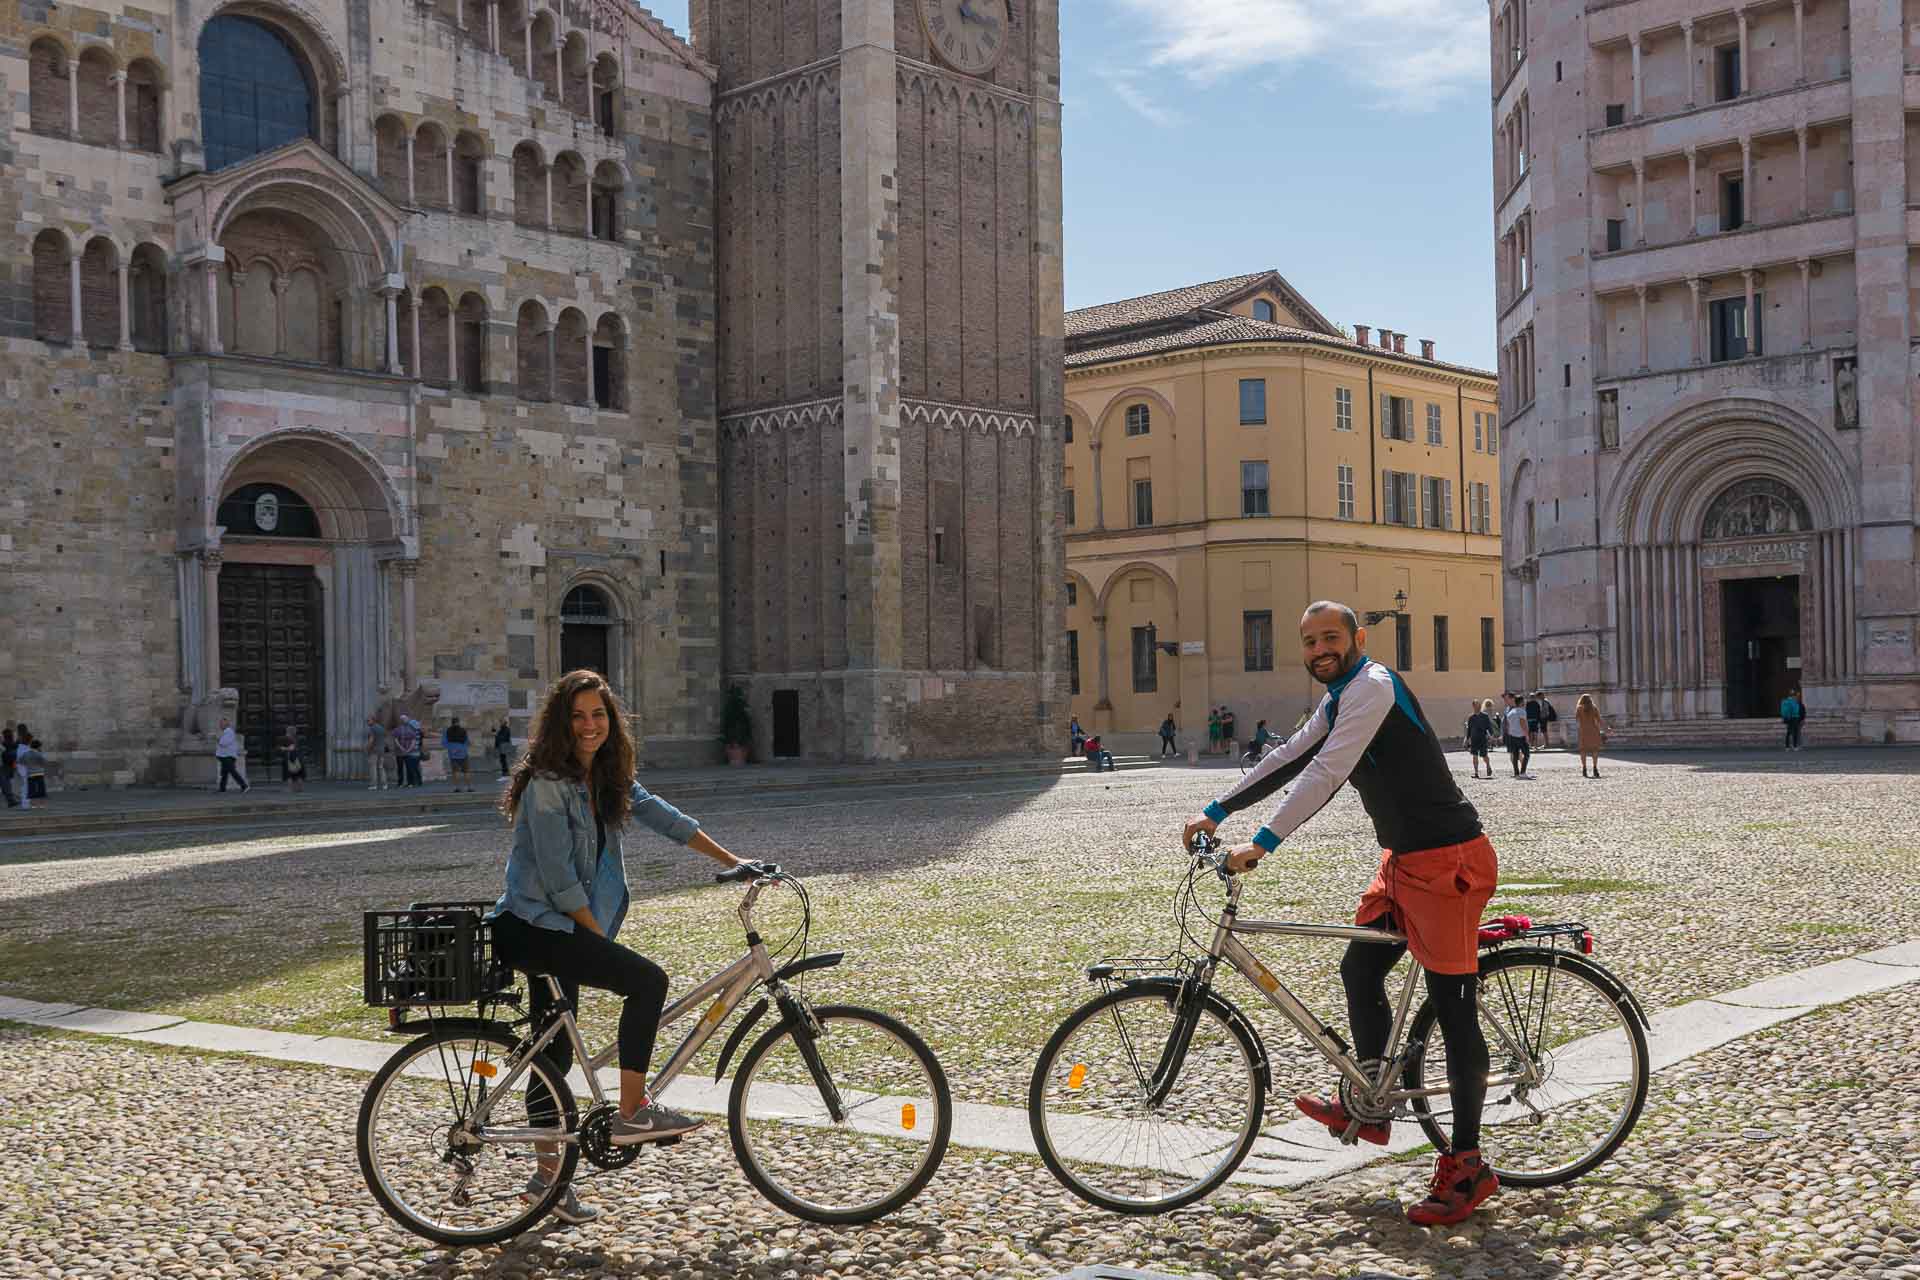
[(1400, 344), (1386, 339), (1363, 334), (1426, 348)]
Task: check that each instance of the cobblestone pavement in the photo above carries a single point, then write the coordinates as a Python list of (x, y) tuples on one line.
[(968, 912)]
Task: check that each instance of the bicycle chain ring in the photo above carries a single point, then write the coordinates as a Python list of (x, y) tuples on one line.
[(596, 1139), (1359, 1107)]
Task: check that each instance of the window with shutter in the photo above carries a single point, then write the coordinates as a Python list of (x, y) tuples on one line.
[(1386, 415), (1446, 502)]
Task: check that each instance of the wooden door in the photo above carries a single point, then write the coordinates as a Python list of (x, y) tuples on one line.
[(271, 652)]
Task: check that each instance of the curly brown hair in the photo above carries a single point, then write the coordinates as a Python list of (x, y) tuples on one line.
[(550, 750)]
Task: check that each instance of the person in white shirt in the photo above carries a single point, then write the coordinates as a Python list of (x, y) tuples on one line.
[(1513, 722), (227, 752)]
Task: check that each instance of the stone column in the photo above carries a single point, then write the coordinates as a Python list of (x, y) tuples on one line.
[(409, 673), (211, 268), (1746, 66), (413, 320), (1639, 200), (1693, 289), (1799, 42), (1104, 703), (1753, 316), (281, 283), (493, 26), (1806, 302), (1099, 507), (119, 79), (1639, 81), (1747, 202), (73, 98), (392, 296), (410, 195), (453, 344), (1800, 133), (559, 65), (126, 312), (526, 33), (1693, 191), (547, 177), (450, 151), (73, 281), (1686, 32), (210, 618), (1641, 290), (589, 398), (553, 363)]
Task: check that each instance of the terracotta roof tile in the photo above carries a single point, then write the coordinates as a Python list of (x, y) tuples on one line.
[(1153, 307), (1225, 329)]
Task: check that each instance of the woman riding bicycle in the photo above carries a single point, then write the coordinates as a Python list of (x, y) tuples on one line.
[(566, 895)]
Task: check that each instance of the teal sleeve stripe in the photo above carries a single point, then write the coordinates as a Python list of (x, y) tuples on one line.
[(1216, 812), (1265, 838)]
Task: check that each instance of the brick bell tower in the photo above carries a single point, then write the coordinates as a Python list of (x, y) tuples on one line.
[(888, 213)]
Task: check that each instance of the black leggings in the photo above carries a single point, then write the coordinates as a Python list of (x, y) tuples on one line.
[(585, 957), (1364, 971)]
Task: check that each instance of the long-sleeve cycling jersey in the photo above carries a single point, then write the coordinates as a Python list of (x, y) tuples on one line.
[(1369, 730)]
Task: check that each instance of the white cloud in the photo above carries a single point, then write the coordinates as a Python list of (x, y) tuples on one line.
[(1124, 85), (1408, 52)]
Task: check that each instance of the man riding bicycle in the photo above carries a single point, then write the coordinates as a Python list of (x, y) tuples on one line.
[(1437, 874)]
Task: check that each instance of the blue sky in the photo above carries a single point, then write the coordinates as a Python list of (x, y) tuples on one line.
[(1344, 142)]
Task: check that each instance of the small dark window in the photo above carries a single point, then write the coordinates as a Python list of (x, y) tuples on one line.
[(1139, 420), (1556, 73), (603, 377), (1616, 234), (1066, 506), (1253, 489), (1069, 426), (1732, 340), (1486, 644), (1566, 375), (1726, 73), (1256, 629), (1142, 503), (1146, 672), (1253, 402), (1616, 114), (1402, 642), (1073, 663), (1440, 659), (1263, 310), (1073, 594), (1733, 202), (604, 112)]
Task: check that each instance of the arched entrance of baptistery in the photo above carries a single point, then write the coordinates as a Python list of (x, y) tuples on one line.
[(1755, 540), (295, 597)]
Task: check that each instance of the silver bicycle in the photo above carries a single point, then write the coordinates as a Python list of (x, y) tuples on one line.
[(838, 1114), (1150, 1095)]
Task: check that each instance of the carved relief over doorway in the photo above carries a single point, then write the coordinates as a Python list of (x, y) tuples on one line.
[(1755, 508)]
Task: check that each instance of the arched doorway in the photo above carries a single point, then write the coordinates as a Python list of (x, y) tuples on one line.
[(272, 640), (586, 627), (1759, 591)]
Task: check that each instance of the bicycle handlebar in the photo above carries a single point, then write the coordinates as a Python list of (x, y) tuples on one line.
[(742, 871)]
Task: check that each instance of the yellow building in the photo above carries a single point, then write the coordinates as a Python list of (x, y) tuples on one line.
[(1231, 456)]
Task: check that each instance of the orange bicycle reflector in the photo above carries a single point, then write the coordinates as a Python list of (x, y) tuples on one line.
[(1077, 1076), (486, 1069), (906, 1115)]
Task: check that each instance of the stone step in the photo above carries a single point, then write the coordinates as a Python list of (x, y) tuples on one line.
[(1698, 732)]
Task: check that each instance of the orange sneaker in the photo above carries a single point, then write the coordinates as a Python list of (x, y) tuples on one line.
[(1461, 1183), (1332, 1113)]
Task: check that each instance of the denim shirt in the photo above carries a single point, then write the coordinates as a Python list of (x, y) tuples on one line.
[(555, 866)]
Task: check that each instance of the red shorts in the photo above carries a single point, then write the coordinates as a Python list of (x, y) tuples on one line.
[(1436, 897)]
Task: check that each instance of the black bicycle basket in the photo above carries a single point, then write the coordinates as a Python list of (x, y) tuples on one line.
[(432, 953)]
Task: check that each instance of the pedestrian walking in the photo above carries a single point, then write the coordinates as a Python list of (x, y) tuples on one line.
[(6, 768), (292, 767), (1479, 735), (1167, 731), (1213, 731), (227, 751), (456, 740), (1226, 730), (1548, 716), (1592, 732), (1535, 725), (379, 755), (1513, 723), (503, 747), (1793, 714), (406, 745), (33, 768), (1076, 736)]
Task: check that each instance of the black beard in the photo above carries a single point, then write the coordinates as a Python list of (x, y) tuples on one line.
[(1345, 665)]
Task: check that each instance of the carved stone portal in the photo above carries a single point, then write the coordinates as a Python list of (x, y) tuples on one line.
[(1755, 508)]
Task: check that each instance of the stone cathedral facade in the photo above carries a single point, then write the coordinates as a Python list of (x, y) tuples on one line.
[(370, 354)]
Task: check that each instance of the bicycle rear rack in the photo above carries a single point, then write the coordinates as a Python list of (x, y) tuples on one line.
[(1124, 968)]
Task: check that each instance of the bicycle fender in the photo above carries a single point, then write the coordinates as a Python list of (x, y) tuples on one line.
[(739, 1034), (1227, 1010), (1606, 977), (825, 960)]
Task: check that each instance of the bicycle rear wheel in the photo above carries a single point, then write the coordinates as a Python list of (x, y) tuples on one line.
[(895, 1115), (428, 1170), (1560, 1020), (1099, 1130)]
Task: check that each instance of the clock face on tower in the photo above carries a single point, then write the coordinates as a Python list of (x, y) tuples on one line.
[(968, 34)]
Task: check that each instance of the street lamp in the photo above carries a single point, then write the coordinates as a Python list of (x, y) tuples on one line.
[(1374, 616), (1169, 647)]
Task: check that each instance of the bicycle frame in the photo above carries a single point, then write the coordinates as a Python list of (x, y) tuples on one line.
[(732, 985), (1227, 946)]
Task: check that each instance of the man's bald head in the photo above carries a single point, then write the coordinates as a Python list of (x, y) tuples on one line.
[(1346, 615)]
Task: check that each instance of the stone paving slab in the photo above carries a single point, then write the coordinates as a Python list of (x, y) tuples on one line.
[(113, 1022)]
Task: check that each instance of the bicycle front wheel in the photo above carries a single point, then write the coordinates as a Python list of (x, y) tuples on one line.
[(844, 1125), (435, 1171), (1101, 1130), (1568, 1067)]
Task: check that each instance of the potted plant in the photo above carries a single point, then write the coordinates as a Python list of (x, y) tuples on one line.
[(736, 725)]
